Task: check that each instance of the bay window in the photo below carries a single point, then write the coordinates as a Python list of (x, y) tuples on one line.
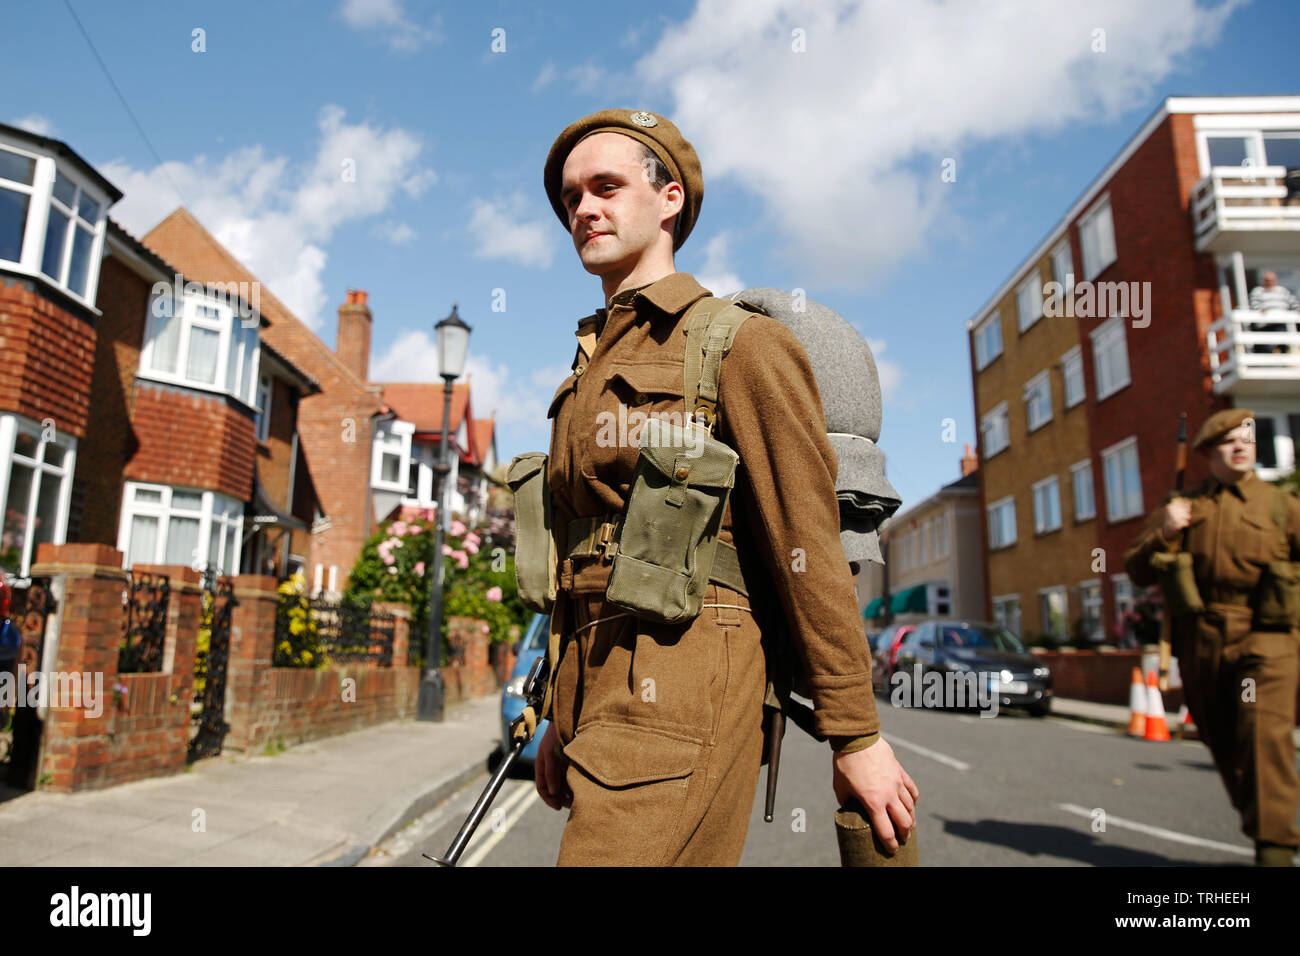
[(36, 466), (201, 342), (165, 525)]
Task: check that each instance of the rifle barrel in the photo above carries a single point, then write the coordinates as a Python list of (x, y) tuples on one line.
[(452, 856)]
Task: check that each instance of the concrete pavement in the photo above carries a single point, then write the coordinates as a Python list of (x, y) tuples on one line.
[(321, 803)]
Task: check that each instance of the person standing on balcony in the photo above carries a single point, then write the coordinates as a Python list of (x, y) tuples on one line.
[(1271, 297)]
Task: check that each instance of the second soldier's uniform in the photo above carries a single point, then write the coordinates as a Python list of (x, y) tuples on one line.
[(1239, 679)]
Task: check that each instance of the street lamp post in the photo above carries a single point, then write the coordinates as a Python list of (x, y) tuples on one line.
[(453, 344)]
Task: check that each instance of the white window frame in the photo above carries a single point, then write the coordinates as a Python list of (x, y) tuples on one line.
[(40, 193), (1074, 388), (11, 426), (216, 512), (994, 511), (1116, 452), (1063, 267), (1045, 625), (1038, 394), (1029, 301), (1096, 243), (265, 393), (1121, 589), (391, 438), (997, 422), (1109, 339), (1082, 468), (1086, 602), (942, 534), (990, 328), (227, 380), (1053, 499), (999, 612)]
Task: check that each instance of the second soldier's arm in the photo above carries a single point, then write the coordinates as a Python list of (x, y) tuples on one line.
[(1149, 540)]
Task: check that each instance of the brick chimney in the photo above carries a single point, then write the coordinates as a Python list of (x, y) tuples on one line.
[(969, 462), (354, 333)]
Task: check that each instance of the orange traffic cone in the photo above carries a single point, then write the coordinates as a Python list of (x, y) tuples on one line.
[(1186, 728), (1137, 706), (1157, 727)]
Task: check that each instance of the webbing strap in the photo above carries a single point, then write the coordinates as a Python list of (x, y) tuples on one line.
[(711, 328), (1279, 518), (585, 534)]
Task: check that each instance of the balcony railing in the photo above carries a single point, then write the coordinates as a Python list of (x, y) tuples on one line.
[(1241, 199), (1243, 357)]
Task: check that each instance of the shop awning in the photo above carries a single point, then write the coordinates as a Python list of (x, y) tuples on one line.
[(873, 608), (910, 600)]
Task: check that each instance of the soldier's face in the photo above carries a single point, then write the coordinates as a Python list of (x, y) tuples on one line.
[(615, 215), (1232, 456)]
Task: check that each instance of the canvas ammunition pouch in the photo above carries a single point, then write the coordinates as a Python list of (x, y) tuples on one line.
[(1277, 597), (1178, 582), (535, 546)]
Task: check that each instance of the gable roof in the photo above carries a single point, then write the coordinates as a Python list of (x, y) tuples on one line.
[(183, 240), (422, 402)]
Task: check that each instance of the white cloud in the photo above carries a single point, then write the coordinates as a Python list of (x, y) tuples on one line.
[(544, 78), (35, 123), (275, 218), (413, 357), (398, 233), (833, 138), (889, 372), (388, 18), (716, 275), (502, 229)]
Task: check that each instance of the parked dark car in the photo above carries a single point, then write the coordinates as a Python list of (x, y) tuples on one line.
[(530, 647), (1003, 665), (884, 655)]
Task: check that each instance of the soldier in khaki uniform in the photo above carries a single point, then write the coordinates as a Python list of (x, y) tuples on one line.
[(656, 730), (1240, 679)]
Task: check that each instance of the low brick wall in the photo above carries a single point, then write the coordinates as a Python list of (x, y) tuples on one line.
[(1104, 677), (307, 704)]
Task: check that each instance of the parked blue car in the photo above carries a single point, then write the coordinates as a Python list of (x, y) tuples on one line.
[(531, 646)]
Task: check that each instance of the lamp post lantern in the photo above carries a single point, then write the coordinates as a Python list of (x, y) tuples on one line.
[(452, 336)]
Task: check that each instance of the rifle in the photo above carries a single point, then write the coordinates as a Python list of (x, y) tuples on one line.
[(1166, 625), (534, 692)]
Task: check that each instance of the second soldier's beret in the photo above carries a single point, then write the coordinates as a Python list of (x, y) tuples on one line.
[(1219, 424), (654, 131)]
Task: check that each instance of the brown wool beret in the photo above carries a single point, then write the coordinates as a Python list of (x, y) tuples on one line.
[(649, 128), (1219, 424)]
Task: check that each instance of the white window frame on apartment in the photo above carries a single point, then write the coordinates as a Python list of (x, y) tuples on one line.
[(995, 421), (1047, 505), (923, 541), (237, 356), (53, 458), (220, 526), (1254, 128), (265, 391), (1073, 385), (1115, 453), (1044, 621), (1090, 597), (46, 170), (1029, 301), (942, 532), (1063, 267), (1038, 401), (391, 439), (1121, 588), (1077, 485), (994, 512), (1097, 238), (1000, 615), (985, 332), (1110, 345)]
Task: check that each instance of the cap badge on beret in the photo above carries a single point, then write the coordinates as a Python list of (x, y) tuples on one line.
[(642, 118)]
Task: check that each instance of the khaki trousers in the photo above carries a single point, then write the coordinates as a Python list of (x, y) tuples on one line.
[(662, 726), (1240, 687)]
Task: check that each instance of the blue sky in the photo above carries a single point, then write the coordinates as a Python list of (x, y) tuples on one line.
[(822, 129)]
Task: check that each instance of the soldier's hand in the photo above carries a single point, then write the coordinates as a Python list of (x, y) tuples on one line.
[(880, 783), (1178, 515), (549, 771)]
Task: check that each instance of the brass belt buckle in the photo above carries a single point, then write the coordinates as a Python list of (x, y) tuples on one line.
[(605, 542)]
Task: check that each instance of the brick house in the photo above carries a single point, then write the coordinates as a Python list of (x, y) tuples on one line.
[(1078, 385), (336, 425)]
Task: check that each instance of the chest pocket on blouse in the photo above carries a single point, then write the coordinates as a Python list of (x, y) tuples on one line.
[(631, 393), (1258, 539)]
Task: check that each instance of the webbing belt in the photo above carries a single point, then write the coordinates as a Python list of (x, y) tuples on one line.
[(596, 536)]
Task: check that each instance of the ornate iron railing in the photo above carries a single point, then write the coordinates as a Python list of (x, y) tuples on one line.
[(342, 632), (144, 623), (210, 666)]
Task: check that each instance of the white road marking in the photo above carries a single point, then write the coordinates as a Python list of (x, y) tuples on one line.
[(1172, 835), (926, 752), (523, 798), (1086, 728)]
